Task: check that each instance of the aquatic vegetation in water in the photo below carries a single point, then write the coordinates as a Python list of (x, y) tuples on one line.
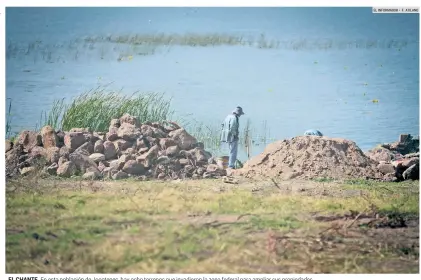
[(112, 47), (9, 119)]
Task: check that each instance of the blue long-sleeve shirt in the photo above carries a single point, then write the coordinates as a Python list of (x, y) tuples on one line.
[(230, 129)]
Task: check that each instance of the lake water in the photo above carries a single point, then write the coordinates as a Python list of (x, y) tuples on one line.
[(330, 64)]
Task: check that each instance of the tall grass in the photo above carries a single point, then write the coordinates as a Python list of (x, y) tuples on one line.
[(95, 109)]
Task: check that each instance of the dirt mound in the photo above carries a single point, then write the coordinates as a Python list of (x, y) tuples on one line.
[(311, 157)]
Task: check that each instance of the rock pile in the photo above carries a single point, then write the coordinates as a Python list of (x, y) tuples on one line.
[(128, 149), (399, 160)]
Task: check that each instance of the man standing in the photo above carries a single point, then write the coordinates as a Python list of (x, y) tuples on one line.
[(230, 134)]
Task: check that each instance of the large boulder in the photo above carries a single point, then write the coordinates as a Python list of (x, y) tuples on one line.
[(172, 151), (117, 164), (183, 139), (380, 154), (49, 137), (99, 147), (87, 148), (60, 137), (67, 169), (128, 132), (38, 152), (165, 143), (99, 136), (29, 139), (406, 163), (109, 150), (65, 152), (87, 133), (12, 161), (126, 118), (122, 145), (53, 154), (158, 133), (148, 158), (133, 167), (112, 134), (83, 163), (129, 151), (147, 130), (412, 173), (97, 157), (386, 168), (200, 155), (74, 140)]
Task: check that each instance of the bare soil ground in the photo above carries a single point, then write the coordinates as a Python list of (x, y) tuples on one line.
[(207, 226)]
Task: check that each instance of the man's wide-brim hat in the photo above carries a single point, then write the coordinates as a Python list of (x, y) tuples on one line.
[(239, 111)]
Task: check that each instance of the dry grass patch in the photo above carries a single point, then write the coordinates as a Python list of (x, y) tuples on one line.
[(210, 227)]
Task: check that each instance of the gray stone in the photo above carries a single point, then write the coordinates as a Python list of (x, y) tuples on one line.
[(88, 147), (97, 157), (126, 118), (128, 132), (83, 163), (29, 139), (172, 151), (74, 140), (133, 167), (120, 175), (386, 168), (99, 147), (109, 150), (148, 158), (183, 139), (67, 169), (53, 154), (49, 137), (412, 173)]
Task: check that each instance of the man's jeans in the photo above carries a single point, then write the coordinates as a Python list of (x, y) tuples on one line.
[(233, 147)]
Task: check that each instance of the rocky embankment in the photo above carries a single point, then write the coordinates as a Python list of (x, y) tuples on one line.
[(168, 151), (399, 160), (128, 149)]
